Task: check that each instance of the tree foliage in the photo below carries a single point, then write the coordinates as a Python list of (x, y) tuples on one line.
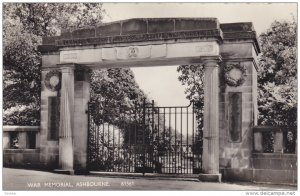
[(277, 77), (192, 76), (112, 90), (24, 25), (47, 19), (21, 74)]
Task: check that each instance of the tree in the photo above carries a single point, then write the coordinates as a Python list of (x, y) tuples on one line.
[(277, 76), (24, 25), (192, 76), (21, 75), (47, 19), (112, 90)]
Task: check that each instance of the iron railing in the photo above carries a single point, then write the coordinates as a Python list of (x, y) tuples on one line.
[(144, 139)]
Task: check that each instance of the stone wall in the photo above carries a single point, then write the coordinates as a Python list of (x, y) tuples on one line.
[(49, 146), (278, 166), (24, 154), (22, 158), (46, 152), (274, 168), (81, 99), (274, 158), (235, 154)]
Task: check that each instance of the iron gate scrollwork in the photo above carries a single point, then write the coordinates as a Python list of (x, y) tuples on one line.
[(145, 139)]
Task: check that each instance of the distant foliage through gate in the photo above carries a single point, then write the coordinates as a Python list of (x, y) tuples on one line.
[(147, 139)]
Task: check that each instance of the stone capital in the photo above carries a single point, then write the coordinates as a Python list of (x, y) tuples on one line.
[(211, 61), (67, 67)]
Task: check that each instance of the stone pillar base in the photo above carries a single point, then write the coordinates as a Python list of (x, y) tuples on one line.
[(61, 171), (210, 177), (66, 154), (81, 172)]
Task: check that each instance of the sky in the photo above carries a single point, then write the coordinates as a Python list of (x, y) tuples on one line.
[(161, 83)]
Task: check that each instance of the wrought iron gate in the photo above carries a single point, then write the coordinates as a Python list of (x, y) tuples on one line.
[(147, 139)]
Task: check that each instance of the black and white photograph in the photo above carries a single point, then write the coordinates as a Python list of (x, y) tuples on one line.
[(156, 96)]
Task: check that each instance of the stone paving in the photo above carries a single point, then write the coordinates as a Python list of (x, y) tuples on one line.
[(20, 179)]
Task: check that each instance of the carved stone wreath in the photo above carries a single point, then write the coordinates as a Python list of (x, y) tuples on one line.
[(53, 80), (235, 74), (133, 52)]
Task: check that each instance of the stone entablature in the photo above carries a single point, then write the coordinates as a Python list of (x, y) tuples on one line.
[(151, 29), (135, 54)]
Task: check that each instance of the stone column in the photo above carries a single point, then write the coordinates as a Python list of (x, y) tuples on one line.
[(66, 120), (22, 139), (210, 157), (5, 140), (258, 142), (278, 143)]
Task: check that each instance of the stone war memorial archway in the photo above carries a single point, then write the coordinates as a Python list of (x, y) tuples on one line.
[(228, 52)]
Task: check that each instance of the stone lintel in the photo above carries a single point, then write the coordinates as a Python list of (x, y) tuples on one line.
[(145, 63), (142, 55)]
